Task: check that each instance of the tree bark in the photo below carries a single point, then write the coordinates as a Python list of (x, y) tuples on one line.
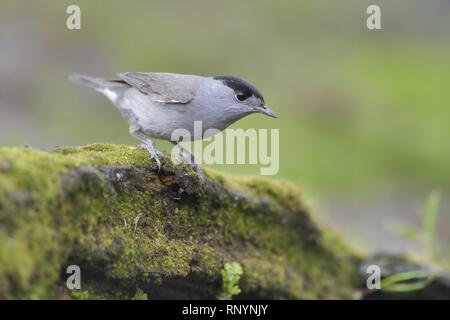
[(131, 229)]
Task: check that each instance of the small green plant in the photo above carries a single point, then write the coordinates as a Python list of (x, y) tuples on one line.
[(140, 295), (80, 294), (426, 236), (399, 282), (231, 273)]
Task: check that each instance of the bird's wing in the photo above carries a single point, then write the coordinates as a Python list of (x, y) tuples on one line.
[(164, 87)]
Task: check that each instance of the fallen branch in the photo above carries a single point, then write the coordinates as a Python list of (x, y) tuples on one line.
[(130, 229)]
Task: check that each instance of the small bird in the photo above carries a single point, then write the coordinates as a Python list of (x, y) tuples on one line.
[(156, 104)]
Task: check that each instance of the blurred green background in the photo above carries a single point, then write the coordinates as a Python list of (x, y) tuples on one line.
[(363, 115)]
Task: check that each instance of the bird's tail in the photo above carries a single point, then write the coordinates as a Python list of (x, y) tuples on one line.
[(96, 83), (110, 88)]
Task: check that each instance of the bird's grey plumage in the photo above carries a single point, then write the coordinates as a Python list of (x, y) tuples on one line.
[(164, 87), (96, 83), (155, 104)]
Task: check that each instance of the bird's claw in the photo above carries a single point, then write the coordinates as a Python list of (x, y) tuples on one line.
[(189, 158), (199, 172), (145, 147), (154, 153), (142, 146), (158, 163)]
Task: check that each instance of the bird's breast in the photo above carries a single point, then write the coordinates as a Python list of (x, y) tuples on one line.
[(162, 120)]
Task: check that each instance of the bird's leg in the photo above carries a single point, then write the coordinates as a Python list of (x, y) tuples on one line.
[(190, 159), (148, 145), (145, 147)]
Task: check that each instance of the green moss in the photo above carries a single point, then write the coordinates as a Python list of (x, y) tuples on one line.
[(105, 208), (80, 294), (140, 295)]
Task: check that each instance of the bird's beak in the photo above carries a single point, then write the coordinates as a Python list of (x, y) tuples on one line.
[(266, 110)]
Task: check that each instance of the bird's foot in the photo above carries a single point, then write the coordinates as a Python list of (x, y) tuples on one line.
[(144, 147), (199, 172), (190, 159), (154, 153)]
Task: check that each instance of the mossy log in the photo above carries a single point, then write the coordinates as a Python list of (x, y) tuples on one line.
[(132, 229)]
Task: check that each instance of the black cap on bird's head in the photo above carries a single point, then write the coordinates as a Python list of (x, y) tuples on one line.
[(241, 87), (244, 90)]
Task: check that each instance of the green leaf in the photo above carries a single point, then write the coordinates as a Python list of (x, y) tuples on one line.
[(430, 214), (397, 282), (231, 273), (405, 230)]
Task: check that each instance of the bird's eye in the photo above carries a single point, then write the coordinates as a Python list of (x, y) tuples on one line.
[(241, 97)]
